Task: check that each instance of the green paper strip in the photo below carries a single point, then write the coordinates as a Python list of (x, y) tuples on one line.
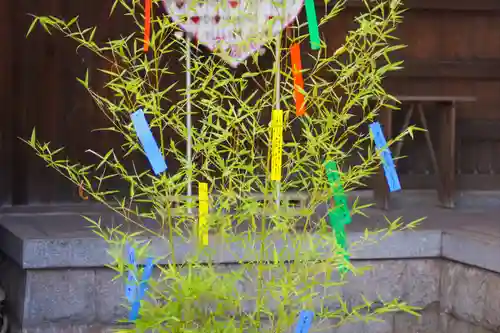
[(312, 23), (341, 207), (339, 216)]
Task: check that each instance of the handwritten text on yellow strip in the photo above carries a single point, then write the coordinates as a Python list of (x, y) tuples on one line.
[(277, 144), (203, 212)]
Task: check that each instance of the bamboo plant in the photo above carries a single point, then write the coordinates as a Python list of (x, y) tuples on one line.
[(284, 259)]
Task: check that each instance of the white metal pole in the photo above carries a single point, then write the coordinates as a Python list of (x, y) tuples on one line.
[(189, 124)]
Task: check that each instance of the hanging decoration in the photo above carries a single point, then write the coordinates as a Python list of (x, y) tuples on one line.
[(312, 23), (233, 29), (277, 118), (390, 172), (339, 216), (203, 213), (148, 142), (341, 210), (276, 144), (130, 286), (305, 321), (147, 24), (134, 291), (141, 290), (298, 80)]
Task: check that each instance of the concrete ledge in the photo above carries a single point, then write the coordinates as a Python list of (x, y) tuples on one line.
[(474, 250), (34, 249), (57, 236), (64, 240), (92, 252)]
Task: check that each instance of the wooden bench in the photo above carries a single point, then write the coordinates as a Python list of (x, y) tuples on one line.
[(444, 163), (291, 201)]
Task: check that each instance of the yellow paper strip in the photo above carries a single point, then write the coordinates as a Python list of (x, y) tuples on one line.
[(277, 144), (203, 212)]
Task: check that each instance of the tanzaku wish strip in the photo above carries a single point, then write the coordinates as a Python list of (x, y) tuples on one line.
[(276, 144), (147, 24), (340, 215), (298, 80), (305, 321), (148, 142), (131, 286), (146, 274), (390, 172), (203, 213), (134, 291), (312, 23)]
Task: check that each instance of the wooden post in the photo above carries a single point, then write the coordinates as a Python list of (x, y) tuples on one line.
[(447, 155), (7, 111)]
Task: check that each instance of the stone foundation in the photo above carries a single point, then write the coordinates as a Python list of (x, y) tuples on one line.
[(56, 280), (455, 298)]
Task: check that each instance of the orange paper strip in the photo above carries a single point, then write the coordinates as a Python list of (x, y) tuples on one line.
[(147, 24), (298, 80)]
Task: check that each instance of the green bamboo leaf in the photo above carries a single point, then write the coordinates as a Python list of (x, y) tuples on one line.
[(33, 24), (33, 138)]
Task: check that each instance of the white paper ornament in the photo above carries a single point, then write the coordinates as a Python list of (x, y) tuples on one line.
[(233, 29)]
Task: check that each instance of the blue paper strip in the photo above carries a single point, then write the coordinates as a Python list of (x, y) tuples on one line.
[(131, 287), (146, 274), (305, 321), (390, 172), (148, 142)]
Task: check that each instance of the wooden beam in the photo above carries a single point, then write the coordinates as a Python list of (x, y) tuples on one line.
[(473, 69), (478, 130), (464, 182), (435, 99), (482, 70), (451, 5)]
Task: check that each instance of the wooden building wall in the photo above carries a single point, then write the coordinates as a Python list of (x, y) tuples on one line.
[(5, 99), (453, 49)]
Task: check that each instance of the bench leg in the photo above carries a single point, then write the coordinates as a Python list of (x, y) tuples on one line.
[(430, 147), (447, 156), (406, 123), (380, 188)]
